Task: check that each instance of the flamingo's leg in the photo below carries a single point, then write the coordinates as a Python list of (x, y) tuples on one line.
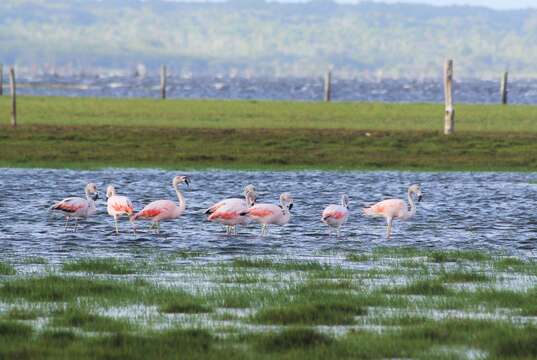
[(133, 227), (115, 222), (66, 223), (158, 227), (234, 229), (389, 228), (76, 224), (338, 231)]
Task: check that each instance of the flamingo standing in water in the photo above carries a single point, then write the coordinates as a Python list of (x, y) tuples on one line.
[(118, 205), (160, 210), (395, 208), (267, 214), (336, 215), (77, 207), (228, 212)]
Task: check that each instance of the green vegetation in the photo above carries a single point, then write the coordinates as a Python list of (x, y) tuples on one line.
[(325, 313), (184, 303), (78, 317), (270, 308), (250, 114), (34, 260), (61, 288), (93, 133), (463, 276), (100, 266), (19, 313), (292, 339), (282, 266), (7, 269), (423, 287)]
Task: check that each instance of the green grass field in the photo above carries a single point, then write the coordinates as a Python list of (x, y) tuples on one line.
[(89, 133)]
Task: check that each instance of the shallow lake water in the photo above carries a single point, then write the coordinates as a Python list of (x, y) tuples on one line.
[(493, 211), (225, 87)]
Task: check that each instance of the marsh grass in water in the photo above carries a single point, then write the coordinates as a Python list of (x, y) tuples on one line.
[(243, 297), (464, 276), (79, 317), (14, 329), (280, 266), (427, 287), (20, 313), (55, 288), (185, 304), (7, 269), (292, 339), (34, 260), (390, 306), (100, 266)]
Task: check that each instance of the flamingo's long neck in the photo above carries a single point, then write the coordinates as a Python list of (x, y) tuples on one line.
[(412, 211), (181, 198), (250, 199), (285, 207), (91, 202)]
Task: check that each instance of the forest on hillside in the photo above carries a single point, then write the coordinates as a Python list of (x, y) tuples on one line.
[(254, 37)]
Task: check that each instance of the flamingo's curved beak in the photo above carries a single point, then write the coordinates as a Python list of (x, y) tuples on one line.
[(95, 196), (187, 181), (290, 206), (420, 196)]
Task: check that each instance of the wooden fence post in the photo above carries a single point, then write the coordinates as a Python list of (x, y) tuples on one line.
[(449, 117), (13, 87), (1, 80), (163, 81), (503, 88), (328, 86)]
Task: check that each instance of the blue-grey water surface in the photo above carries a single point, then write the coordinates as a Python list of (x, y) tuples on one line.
[(494, 211), (303, 89)]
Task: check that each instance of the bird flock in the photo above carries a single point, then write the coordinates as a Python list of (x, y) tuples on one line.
[(231, 212)]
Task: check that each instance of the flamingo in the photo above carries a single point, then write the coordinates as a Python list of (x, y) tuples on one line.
[(77, 207), (267, 214), (228, 212), (336, 215), (160, 210), (118, 205), (395, 208)]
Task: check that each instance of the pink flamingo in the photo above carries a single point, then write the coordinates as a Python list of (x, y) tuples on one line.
[(77, 207), (118, 205), (267, 214), (336, 215), (228, 212), (395, 208), (160, 210)]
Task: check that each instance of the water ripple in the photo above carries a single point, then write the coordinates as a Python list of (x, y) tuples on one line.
[(460, 210)]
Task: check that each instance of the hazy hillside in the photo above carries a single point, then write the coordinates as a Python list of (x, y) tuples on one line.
[(254, 37)]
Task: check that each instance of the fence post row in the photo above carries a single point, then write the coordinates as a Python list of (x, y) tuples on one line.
[(13, 87), (503, 88), (328, 86), (163, 81), (449, 117)]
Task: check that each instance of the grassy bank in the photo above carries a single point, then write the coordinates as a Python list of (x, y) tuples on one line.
[(88, 133), (389, 303)]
